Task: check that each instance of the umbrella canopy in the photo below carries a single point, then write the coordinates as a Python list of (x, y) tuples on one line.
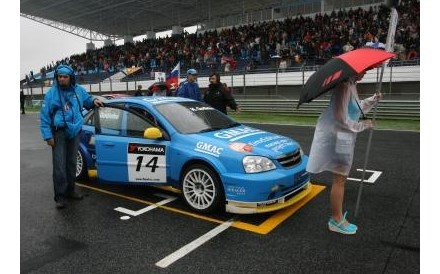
[(159, 86), (341, 68)]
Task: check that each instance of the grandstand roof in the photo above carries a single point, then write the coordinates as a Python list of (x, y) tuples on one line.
[(136, 17)]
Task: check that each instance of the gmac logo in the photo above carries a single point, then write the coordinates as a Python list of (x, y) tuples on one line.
[(208, 149)]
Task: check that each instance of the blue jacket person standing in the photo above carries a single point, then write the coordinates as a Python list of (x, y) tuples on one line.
[(61, 122), (189, 88)]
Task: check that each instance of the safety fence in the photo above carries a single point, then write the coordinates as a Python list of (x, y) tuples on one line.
[(241, 80), (386, 109)]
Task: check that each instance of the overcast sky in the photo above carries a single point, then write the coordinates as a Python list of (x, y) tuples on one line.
[(41, 44)]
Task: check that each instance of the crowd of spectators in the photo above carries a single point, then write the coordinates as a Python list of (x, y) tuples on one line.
[(292, 41)]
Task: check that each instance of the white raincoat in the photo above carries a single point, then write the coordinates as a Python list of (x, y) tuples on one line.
[(336, 131)]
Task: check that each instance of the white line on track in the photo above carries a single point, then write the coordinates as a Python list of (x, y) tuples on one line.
[(183, 251), (371, 180), (168, 199)]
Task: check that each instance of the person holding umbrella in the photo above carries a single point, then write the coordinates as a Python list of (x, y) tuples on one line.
[(160, 89), (333, 144), (335, 134)]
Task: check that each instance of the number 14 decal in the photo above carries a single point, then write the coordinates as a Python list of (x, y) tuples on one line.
[(146, 163), (151, 164)]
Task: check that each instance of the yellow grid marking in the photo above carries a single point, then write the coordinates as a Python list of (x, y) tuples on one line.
[(264, 228)]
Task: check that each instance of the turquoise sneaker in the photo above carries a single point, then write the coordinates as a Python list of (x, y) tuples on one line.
[(334, 226)]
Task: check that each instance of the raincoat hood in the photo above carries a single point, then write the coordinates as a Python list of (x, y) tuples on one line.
[(64, 70)]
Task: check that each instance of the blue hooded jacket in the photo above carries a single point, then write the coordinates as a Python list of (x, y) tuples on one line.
[(62, 106), (189, 90)]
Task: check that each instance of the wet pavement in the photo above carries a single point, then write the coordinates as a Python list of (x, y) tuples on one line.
[(90, 236)]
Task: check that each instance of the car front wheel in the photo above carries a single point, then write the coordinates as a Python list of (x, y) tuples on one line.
[(202, 189)]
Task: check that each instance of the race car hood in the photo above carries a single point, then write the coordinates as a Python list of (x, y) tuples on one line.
[(259, 141)]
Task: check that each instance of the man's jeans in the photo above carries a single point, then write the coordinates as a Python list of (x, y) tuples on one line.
[(64, 164)]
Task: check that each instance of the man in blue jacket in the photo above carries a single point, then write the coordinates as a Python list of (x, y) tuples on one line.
[(189, 88), (61, 123)]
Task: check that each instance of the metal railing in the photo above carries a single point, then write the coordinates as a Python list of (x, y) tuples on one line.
[(271, 77), (279, 90), (387, 109)]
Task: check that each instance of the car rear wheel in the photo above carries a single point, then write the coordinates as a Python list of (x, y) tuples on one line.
[(201, 189), (80, 166)]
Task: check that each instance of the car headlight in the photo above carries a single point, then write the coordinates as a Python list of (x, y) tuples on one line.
[(255, 164)]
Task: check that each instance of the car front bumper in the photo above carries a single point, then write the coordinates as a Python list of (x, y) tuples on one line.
[(270, 205)]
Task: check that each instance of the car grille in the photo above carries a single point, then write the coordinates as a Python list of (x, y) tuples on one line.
[(291, 159), (293, 194)]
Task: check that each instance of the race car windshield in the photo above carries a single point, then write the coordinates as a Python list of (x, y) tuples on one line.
[(195, 117)]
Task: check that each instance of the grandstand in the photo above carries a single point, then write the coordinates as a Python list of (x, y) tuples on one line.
[(260, 46)]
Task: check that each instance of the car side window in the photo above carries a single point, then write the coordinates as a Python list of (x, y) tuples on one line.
[(136, 125), (144, 113), (151, 119), (120, 122), (110, 120)]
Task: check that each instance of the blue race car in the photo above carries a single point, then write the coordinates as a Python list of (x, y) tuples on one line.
[(216, 163)]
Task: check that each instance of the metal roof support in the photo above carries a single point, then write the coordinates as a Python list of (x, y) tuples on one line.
[(78, 31)]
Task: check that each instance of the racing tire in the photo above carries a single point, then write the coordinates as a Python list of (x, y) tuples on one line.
[(81, 168), (202, 189)]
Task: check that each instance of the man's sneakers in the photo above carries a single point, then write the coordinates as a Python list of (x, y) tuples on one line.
[(74, 196), (342, 227), (60, 204)]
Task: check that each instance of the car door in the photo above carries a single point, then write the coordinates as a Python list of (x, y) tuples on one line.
[(123, 154)]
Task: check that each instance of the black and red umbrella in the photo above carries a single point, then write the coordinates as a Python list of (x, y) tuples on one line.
[(341, 68), (159, 86)]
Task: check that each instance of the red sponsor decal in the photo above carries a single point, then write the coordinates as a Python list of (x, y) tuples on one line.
[(332, 78), (132, 148)]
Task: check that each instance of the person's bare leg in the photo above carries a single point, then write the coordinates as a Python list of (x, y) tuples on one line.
[(337, 196)]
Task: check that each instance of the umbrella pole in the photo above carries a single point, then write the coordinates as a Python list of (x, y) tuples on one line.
[(389, 47), (370, 137)]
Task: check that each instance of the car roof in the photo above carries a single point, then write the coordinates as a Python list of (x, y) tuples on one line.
[(117, 95), (150, 100)]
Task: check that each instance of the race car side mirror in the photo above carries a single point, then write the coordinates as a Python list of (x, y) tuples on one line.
[(152, 133)]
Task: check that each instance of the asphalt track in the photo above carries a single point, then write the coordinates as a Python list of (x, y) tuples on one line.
[(90, 237)]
